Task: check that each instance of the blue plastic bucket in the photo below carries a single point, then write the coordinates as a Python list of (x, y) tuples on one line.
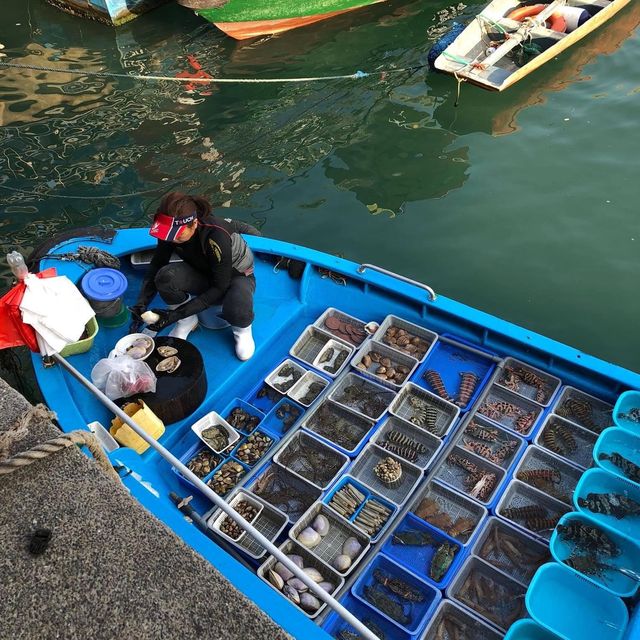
[(103, 287), (626, 402), (616, 440), (573, 607)]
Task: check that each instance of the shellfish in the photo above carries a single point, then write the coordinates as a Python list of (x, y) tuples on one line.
[(166, 351), (168, 365)]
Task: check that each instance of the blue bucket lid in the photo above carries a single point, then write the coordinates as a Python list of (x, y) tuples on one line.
[(104, 284)]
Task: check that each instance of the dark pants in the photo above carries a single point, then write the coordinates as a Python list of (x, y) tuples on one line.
[(176, 280)]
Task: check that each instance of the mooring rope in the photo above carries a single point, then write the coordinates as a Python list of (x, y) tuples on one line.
[(108, 74), (45, 449)]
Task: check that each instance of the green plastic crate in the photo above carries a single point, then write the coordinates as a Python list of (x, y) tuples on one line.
[(81, 346)]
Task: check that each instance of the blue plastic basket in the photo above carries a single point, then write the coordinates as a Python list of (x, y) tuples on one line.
[(614, 581), (416, 614), (616, 440), (600, 481), (265, 402), (245, 406), (273, 425), (626, 402), (573, 607), (417, 558), (369, 495), (450, 360), (242, 441), (190, 453), (529, 630)]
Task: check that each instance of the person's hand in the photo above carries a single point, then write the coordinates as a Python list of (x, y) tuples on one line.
[(167, 317), (136, 321)]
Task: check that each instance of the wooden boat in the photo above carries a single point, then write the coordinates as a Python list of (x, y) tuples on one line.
[(495, 51), (243, 19)]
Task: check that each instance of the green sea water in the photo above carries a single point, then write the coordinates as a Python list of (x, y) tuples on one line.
[(522, 204)]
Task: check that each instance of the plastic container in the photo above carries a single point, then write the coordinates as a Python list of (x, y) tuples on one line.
[(626, 403), (457, 617), (598, 481), (194, 450), (355, 338), (127, 342), (282, 418), (333, 358), (411, 402), (414, 615), (369, 496), (595, 416), (450, 471), (283, 490), (83, 345), (542, 393), (503, 600), (282, 384), (528, 629), (330, 546), (450, 512), (397, 360), (500, 446), (346, 430), (311, 342), (397, 492), (394, 321), (104, 287), (212, 418), (518, 495), (536, 460), (300, 391), (240, 450), (450, 359), (263, 397), (216, 521), (418, 558), (211, 480), (369, 399), (526, 411), (550, 437), (311, 459), (573, 607), (619, 441), (510, 550), (309, 560), (106, 440), (238, 403), (409, 438), (616, 582)]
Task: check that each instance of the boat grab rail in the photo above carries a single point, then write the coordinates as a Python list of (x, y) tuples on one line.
[(318, 591), (364, 266)]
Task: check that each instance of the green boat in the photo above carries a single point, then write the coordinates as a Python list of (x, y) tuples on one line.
[(242, 19)]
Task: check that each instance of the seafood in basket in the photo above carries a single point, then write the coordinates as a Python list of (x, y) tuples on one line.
[(430, 510), (489, 442), (372, 514)]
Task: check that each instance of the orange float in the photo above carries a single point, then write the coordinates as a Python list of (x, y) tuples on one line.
[(555, 22)]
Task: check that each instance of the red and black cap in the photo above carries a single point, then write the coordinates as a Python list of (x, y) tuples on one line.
[(168, 228)]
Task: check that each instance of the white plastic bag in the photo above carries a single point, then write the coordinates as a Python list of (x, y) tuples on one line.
[(123, 376)]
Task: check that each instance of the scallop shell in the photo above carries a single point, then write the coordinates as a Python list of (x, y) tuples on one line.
[(166, 352), (168, 365)]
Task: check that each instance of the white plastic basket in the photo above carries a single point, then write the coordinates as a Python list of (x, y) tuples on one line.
[(216, 522), (301, 388), (212, 418), (409, 327)]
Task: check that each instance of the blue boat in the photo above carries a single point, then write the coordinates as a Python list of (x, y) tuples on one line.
[(435, 456)]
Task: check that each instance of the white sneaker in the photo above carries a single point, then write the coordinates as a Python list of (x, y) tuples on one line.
[(245, 346), (184, 327)]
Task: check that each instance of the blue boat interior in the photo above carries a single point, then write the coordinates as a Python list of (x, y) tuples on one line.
[(284, 308)]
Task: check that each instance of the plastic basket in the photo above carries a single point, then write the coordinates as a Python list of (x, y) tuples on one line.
[(411, 615), (597, 418), (311, 342), (282, 418), (450, 359), (263, 397), (194, 450), (300, 392), (212, 419), (344, 429), (211, 479), (619, 441), (309, 560), (510, 550), (368, 496), (415, 444), (598, 481), (241, 446), (626, 403), (616, 582), (411, 402), (573, 607), (83, 345), (288, 493), (398, 492), (331, 312), (450, 615), (504, 601), (519, 495), (449, 511), (396, 358), (500, 446), (536, 460), (333, 358), (542, 393), (238, 403), (367, 398), (451, 473), (527, 629), (215, 522), (275, 380), (550, 437), (527, 411), (311, 459), (330, 546), (394, 321), (418, 557)]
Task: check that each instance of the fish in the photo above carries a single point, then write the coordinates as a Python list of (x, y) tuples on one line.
[(413, 538)]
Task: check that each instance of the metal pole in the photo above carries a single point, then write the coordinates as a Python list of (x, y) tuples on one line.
[(319, 592)]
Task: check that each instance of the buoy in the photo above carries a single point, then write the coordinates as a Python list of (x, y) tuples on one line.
[(555, 22)]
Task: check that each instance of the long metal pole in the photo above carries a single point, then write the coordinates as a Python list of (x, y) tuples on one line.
[(318, 591)]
